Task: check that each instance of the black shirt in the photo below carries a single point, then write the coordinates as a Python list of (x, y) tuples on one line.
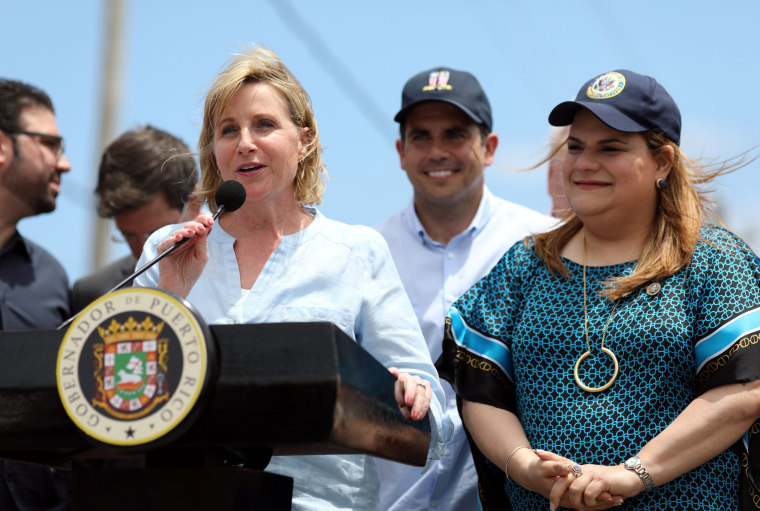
[(34, 294), (34, 288)]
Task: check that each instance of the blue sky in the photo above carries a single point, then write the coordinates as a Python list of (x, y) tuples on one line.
[(353, 58)]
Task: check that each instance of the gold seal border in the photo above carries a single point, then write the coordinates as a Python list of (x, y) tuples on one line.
[(194, 367), (621, 83)]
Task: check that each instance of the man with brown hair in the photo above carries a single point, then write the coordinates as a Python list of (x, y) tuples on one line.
[(145, 181)]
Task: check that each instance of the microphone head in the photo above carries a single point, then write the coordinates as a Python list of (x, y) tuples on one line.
[(230, 195)]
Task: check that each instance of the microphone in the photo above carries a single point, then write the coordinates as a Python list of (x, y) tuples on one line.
[(229, 197)]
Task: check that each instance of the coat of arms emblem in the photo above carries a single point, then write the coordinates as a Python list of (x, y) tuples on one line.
[(606, 86), (132, 367)]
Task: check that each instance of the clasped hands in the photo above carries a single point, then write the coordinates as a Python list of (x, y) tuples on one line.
[(591, 488)]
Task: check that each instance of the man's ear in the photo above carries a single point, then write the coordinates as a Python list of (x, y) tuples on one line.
[(6, 149), (490, 144), (193, 206), (400, 150)]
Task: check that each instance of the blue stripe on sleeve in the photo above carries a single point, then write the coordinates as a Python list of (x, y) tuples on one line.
[(745, 441), (485, 347), (723, 338)]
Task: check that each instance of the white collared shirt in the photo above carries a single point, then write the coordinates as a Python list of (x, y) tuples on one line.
[(434, 276)]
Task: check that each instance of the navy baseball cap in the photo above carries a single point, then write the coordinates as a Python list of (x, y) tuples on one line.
[(459, 88), (624, 101)]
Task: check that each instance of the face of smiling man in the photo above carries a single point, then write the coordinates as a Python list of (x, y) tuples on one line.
[(444, 155), (31, 175)]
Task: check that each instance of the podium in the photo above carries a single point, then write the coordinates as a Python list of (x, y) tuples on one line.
[(278, 389)]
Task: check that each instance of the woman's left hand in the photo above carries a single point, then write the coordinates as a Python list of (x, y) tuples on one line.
[(413, 394)]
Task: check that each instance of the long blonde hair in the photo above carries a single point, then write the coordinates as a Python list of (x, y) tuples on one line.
[(682, 208), (260, 65)]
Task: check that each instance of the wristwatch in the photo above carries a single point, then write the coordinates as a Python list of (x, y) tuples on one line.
[(634, 463)]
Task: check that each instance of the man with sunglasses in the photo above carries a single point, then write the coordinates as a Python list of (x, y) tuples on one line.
[(34, 288), (145, 181)]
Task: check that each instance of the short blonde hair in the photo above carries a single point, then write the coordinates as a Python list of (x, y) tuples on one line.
[(261, 65)]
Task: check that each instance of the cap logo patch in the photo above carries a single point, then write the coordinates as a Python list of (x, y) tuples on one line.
[(606, 86), (438, 80)]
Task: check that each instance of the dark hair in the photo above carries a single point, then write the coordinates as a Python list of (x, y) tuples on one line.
[(15, 96), (140, 164)]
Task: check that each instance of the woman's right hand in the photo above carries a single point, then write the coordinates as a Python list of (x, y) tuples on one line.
[(581, 495), (180, 271), (529, 470)]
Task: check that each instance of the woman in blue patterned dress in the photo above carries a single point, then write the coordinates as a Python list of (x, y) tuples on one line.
[(614, 361)]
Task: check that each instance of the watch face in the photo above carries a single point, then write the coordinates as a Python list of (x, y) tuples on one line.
[(632, 462)]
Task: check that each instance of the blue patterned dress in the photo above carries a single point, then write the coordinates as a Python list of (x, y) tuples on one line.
[(513, 339)]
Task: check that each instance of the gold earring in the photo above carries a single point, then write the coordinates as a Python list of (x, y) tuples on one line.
[(660, 183)]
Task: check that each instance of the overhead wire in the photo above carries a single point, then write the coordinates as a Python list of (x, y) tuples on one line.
[(338, 71)]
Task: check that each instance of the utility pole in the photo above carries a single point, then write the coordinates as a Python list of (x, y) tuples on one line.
[(111, 94)]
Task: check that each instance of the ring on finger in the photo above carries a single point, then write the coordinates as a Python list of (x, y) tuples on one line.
[(577, 470), (422, 383)]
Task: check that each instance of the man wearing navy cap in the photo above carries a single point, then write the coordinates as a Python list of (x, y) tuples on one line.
[(449, 236)]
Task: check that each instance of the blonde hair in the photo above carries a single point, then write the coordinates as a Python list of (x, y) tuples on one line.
[(261, 65), (682, 208)]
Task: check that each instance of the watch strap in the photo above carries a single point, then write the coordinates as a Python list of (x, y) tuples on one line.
[(634, 463)]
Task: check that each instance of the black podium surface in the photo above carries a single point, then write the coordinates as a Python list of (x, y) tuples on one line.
[(292, 388)]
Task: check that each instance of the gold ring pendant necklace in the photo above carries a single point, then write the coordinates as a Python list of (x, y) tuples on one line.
[(606, 351)]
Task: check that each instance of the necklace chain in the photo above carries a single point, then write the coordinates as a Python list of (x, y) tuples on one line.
[(585, 309), (607, 351)]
